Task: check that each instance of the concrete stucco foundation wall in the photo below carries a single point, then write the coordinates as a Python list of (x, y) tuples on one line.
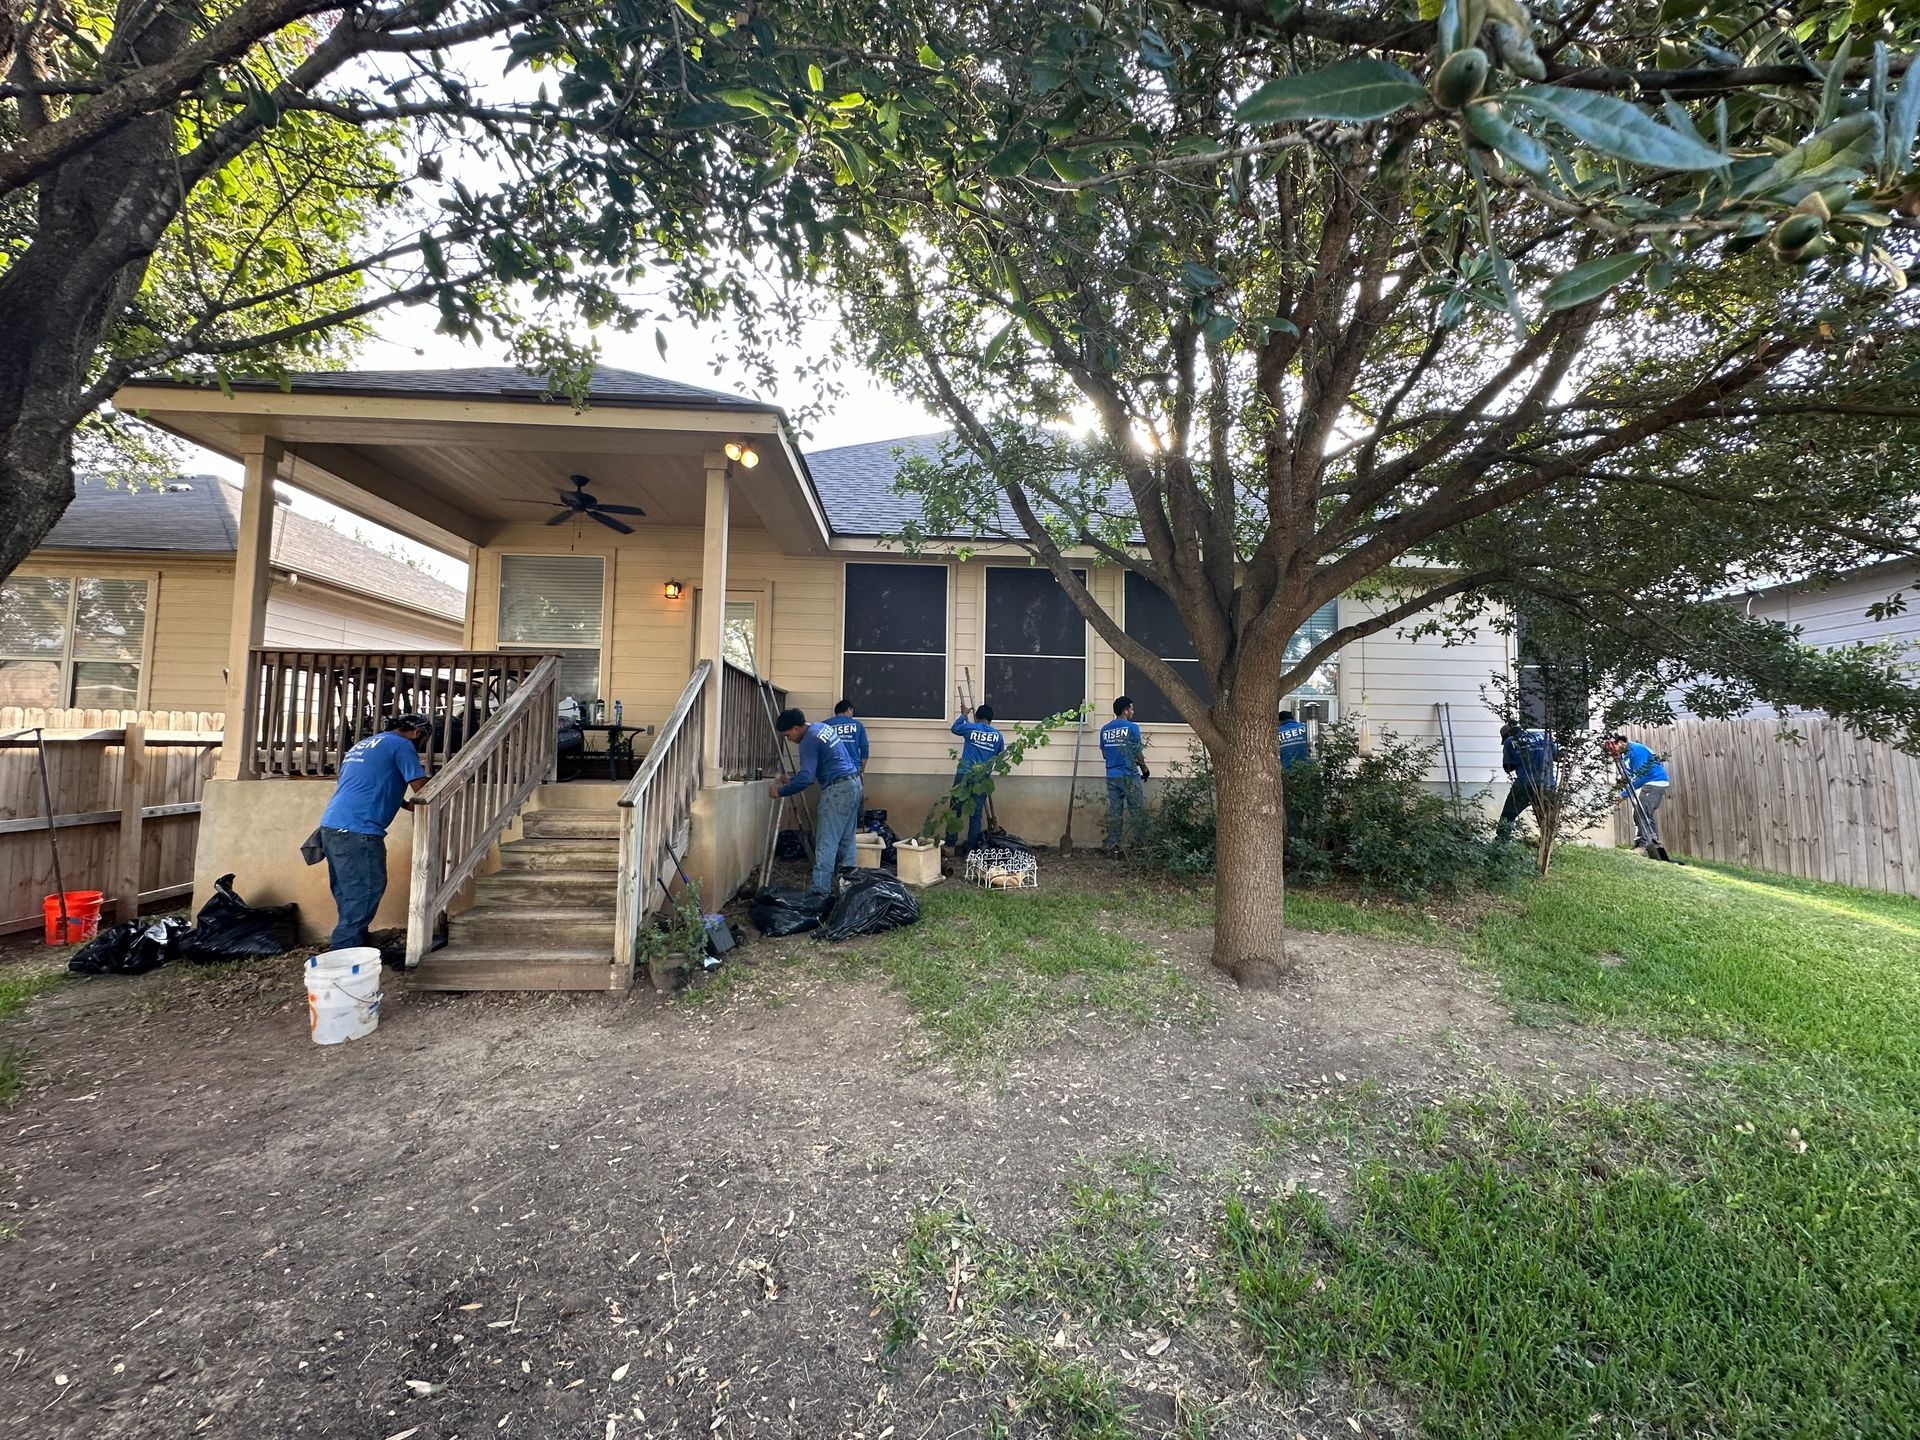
[(253, 828), (1034, 807), (729, 830)]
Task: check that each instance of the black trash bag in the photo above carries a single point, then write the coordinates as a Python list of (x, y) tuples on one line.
[(875, 820), (789, 846), (870, 903), (779, 911), (132, 947), (994, 838), (227, 928)]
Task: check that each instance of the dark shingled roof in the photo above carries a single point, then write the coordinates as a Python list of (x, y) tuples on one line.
[(855, 484), (201, 515), (493, 382)]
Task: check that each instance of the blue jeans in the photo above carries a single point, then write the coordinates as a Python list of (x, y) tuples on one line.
[(357, 872), (1124, 793), (834, 825)]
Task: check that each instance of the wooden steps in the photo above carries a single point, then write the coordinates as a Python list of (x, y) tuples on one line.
[(544, 920)]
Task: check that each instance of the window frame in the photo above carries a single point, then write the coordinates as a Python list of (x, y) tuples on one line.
[(520, 647), (67, 660), (987, 657), (948, 579), (1294, 700)]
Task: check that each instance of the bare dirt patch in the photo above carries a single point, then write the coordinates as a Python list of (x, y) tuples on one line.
[(548, 1216)]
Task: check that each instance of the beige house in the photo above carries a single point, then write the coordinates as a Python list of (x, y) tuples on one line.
[(717, 550), (127, 604)]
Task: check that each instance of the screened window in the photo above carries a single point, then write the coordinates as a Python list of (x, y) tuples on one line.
[(894, 641), (1152, 620), (552, 603), (1036, 648), (72, 642)]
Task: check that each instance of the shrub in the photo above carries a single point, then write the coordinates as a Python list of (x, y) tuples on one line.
[(1366, 818)]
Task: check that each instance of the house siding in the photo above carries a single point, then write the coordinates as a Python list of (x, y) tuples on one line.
[(307, 617), (1838, 614), (1390, 678)]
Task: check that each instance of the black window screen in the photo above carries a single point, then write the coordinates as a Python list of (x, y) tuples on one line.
[(1036, 648), (1152, 620), (894, 651)]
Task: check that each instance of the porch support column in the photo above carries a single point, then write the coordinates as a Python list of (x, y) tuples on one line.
[(713, 608), (252, 575)]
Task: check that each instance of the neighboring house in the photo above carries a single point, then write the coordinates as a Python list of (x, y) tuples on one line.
[(126, 604), (710, 559), (1828, 614)]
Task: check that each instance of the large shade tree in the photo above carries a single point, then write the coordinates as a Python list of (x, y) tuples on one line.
[(239, 187), (1429, 309)]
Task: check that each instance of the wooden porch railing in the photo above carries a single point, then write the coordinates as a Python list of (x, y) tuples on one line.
[(656, 816), (460, 812), (311, 706), (748, 750)]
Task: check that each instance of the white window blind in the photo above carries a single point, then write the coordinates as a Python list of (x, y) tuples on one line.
[(72, 642), (553, 603)]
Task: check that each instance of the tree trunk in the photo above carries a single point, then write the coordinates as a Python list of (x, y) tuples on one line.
[(97, 219), (1249, 892)]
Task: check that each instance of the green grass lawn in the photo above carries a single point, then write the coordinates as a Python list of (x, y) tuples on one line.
[(1745, 1262), (18, 985)]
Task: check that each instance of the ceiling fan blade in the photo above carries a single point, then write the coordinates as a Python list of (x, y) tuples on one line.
[(569, 498), (611, 523), (563, 517), (620, 509)]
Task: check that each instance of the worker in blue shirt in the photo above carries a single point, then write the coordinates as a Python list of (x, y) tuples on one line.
[(376, 776), (980, 745), (1647, 778), (825, 761), (1122, 747), (1293, 741), (851, 731), (1528, 756)]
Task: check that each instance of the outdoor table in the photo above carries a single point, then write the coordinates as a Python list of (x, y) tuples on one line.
[(619, 742)]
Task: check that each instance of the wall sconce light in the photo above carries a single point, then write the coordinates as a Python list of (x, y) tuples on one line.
[(673, 589), (743, 452)]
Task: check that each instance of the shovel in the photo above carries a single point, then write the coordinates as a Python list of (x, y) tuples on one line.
[(1079, 730)]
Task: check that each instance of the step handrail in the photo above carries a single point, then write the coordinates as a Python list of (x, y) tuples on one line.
[(654, 811), (460, 813)]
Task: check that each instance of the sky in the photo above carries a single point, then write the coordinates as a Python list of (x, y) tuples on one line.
[(696, 355)]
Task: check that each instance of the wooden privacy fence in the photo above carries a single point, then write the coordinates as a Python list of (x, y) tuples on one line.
[(126, 798), (1831, 806), (311, 706)]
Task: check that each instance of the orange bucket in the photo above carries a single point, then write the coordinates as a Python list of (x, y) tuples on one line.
[(83, 917)]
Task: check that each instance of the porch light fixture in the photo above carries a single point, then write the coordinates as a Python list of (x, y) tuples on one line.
[(743, 452), (673, 589)]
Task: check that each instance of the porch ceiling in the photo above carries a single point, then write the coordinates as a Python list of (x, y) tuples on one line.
[(452, 473)]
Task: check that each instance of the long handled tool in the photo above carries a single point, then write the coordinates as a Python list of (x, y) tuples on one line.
[(1079, 730), (787, 765), (53, 835), (1643, 817)]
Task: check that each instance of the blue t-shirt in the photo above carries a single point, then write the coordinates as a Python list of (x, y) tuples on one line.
[(979, 742), (824, 756), (1120, 742), (1530, 754), (854, 734), (1293, 743), (1643, 766), (373, 781)]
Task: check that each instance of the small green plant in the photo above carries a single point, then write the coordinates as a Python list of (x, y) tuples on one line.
[(978, 780), (675, 948)]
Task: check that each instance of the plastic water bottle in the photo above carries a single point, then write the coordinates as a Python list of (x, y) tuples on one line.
[(616, 714)]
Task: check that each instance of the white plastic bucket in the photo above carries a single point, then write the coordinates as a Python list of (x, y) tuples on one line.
[(343, 994)]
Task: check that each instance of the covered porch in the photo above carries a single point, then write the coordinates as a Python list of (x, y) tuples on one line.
[(602, 547)]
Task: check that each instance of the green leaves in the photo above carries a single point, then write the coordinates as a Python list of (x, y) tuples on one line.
[(1903, 123), (1492, 129), (1591, 280), (1352, 90), (1617, 128)]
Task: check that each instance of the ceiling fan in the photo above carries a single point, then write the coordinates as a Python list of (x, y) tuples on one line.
[(578, 504)]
